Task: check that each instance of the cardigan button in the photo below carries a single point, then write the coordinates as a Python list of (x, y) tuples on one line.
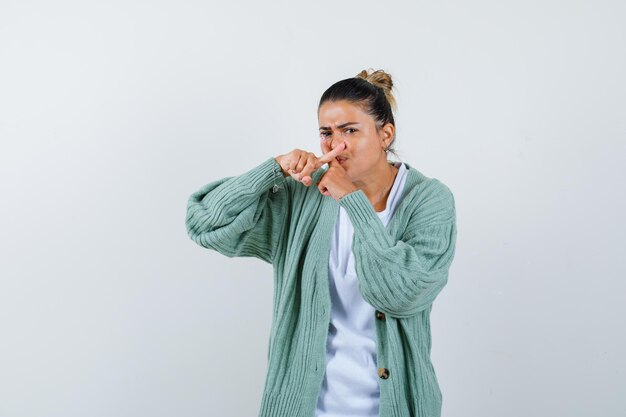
[(383, 373), (380, 315), (275, 188)]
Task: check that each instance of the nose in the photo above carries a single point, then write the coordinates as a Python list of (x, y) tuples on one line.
[(336, 140)]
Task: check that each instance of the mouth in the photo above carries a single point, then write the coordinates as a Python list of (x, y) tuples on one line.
[(341, 159)]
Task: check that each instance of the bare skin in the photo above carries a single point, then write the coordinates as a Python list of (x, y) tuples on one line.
[(349, 135)]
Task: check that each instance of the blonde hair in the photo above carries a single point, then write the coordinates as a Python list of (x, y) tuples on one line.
[(382, 80)]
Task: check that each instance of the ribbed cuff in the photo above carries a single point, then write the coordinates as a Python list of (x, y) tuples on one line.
[(363, 217), (357, 205), (267, 175)]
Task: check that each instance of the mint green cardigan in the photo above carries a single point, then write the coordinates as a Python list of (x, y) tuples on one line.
[(401, 268)]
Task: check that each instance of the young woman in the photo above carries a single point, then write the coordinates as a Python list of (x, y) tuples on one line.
[(361, 247)]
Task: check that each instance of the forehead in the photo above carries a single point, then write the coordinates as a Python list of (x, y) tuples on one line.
[(337, 112)]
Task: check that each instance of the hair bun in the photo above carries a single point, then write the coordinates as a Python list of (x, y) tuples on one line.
[(380, 79)]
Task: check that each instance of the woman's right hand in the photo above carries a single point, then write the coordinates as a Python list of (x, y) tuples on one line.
[(301, 164)]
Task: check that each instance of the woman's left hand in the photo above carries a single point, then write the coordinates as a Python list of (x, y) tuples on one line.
[(335, 181)]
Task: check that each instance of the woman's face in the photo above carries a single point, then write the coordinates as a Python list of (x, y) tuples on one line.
[(364, 154)]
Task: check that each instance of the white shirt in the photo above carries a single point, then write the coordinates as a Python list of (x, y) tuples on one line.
[(350, 387)]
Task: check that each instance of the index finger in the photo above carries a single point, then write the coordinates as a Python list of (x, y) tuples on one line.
[(329, 156)]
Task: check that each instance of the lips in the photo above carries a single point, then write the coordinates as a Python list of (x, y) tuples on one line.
[(341, 159)]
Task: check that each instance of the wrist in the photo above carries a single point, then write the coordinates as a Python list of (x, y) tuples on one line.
[(348, 193), (278, 160)]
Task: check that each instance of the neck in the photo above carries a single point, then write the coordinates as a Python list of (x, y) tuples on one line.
[(378, 184)]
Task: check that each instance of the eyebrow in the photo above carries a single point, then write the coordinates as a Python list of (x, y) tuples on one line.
[(339, 126)]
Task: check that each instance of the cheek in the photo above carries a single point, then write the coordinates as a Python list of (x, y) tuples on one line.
[(364, 149), (322, 146)]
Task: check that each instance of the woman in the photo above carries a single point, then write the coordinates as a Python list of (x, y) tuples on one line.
[(360, 247)]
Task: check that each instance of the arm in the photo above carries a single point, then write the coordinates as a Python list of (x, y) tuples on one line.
[(403, 277), (242, 215)]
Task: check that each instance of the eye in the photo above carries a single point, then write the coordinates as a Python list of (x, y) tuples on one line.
[(324, 134), (350, 128)]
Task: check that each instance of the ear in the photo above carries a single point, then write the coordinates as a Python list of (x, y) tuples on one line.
[(387, 132)]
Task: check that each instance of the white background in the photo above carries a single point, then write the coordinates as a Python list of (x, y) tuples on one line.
[(113, 113)]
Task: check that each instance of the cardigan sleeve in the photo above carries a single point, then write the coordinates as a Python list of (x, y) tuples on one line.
[(242, 215), (403, 277)]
